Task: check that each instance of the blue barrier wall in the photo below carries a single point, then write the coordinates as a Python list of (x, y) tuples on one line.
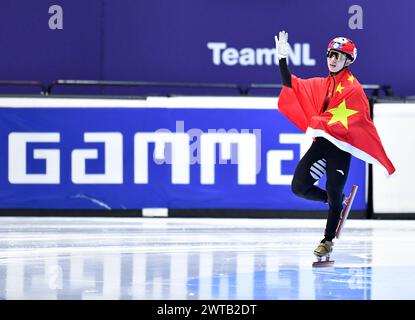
[(133, 154)]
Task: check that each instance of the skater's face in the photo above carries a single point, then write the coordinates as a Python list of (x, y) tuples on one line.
[(336, 61)]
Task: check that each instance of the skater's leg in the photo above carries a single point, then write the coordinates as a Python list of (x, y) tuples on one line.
[(337, 171), (310, 169), (307, 190)]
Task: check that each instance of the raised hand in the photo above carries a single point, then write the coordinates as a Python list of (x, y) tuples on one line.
[(281, 44)]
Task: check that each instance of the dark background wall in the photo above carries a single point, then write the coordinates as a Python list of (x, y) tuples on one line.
[(162, 40)]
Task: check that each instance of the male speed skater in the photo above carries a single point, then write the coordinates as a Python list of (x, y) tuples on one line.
[(335, 112)]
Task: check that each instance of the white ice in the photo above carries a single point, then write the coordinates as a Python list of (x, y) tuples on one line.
[(201, 258)]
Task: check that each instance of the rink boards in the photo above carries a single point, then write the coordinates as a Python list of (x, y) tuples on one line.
[(176, 153), (394, 195)]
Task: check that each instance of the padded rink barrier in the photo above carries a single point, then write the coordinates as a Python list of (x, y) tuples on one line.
[(393, 196), (179, 153)]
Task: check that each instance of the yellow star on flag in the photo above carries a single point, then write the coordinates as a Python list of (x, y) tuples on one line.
[(339, 88), (350, 78), (341, 113)]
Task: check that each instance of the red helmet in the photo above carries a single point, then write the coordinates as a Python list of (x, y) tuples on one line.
[(344, 45)]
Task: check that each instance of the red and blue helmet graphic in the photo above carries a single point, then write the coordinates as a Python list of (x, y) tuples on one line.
[(344, 45)]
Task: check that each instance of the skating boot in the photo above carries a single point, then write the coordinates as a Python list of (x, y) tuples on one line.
[(323, 250)]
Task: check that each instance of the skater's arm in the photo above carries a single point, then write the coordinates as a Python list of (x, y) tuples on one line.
[(285, 73), (282, 48)]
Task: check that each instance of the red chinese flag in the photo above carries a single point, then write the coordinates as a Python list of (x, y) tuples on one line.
[(346, 121)]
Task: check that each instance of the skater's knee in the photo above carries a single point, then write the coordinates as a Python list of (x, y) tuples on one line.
[(299, 188)]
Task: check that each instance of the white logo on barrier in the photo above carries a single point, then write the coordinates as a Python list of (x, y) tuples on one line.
[(246, 144), (17, 158), (180, 155), (172, 147), (298, 55), (194, 139), (275, 157), (113, 159), (56, 20), (356, 20)]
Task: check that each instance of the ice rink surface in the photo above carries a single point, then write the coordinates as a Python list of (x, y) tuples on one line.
[(201, 258)]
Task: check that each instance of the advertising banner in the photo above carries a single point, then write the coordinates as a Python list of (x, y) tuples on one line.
[(190, 152)]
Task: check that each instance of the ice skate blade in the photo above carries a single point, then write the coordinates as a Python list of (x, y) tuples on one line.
[(323, 263), (345, 212)]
